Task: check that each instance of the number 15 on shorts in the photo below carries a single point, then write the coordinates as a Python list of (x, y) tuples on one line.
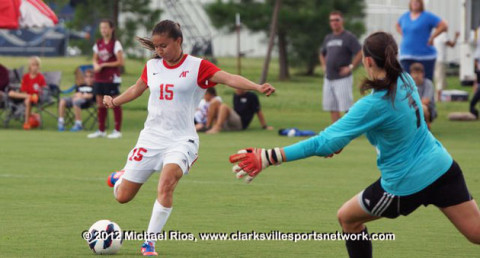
[(137, 154)]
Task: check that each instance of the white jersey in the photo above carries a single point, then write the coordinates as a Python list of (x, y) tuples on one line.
[(175, 92)]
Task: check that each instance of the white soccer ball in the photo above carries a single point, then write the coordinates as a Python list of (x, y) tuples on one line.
[(104, 237)]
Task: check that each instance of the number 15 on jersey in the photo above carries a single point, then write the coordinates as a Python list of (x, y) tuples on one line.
[(166, 92)]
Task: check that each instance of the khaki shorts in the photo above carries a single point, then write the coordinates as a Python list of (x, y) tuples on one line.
[(233, 122), (439, 75)]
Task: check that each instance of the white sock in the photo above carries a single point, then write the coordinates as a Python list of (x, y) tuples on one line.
[(78, 122), (157, 221), (119, 181), (60, 120)]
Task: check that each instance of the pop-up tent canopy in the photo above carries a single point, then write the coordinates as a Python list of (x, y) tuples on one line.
[(27, 27), (26, 14)]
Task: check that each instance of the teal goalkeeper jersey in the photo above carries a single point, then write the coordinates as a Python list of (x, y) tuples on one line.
[(408, 155)]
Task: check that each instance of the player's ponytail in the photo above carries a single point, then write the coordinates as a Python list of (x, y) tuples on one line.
[(382, 48), (170, 28)]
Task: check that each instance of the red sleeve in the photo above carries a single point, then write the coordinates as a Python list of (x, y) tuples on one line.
[(144, 75), (205, 72)]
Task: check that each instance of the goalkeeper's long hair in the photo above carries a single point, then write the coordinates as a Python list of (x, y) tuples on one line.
[(383, 49), (171, 28)]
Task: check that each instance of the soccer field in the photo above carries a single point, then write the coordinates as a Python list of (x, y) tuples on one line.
[(53, 184)]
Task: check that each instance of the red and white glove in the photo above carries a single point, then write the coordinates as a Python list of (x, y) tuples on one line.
[(252, 161)]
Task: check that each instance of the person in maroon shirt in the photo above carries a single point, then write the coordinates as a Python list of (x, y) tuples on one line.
[(107, 59)]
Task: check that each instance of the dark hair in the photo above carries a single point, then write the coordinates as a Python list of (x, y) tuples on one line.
[(212, 91), (417, 67), (172, 29), (382, 48), (111, 24), (89, 71), (422, 5), (336, 13)]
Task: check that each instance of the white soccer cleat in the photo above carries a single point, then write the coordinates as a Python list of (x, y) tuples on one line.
[(115, 135), (97, 134)]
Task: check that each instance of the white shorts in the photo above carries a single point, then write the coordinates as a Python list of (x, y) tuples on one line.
[(337, 94), (143, 162)]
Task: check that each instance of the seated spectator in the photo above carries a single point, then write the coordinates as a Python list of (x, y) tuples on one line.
[(83, 95), (426, 92), (32, 84), (203, 114), (4, 80), (245, 106)]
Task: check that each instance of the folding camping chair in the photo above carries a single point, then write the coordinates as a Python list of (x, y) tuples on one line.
[(90, 107), (4, 81), (13, 109), (50, 95)]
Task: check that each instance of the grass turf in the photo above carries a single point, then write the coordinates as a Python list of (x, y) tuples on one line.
[(53, 184)]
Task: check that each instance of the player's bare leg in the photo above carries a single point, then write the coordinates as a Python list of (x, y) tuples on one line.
[(223, 114), (171, 174), (125, 190), (466, 218), (352, 218), (335, 115)]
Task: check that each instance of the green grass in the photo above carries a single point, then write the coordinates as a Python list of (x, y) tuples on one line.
[(53, 187)]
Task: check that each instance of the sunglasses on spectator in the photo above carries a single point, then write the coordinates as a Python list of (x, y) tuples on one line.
[(335, 20)]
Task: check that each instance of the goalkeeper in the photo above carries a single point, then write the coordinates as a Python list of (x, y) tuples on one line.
[(415, 168)]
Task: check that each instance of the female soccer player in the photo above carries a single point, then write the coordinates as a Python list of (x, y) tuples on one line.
[(415, 168), (107, 59), (169, 142)]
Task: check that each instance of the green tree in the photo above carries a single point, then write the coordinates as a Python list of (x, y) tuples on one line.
[(87, 14), (140, 15), (302, 25), (137, 13)]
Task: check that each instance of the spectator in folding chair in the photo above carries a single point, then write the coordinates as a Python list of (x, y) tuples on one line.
[(13, 108), (32, 84), (4, 80), (83, 97)]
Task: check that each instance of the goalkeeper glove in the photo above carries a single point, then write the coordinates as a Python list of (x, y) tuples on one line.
[(252, 161)]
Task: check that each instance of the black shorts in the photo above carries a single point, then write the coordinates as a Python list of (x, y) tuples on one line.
[(106, 88), (449, 189)]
